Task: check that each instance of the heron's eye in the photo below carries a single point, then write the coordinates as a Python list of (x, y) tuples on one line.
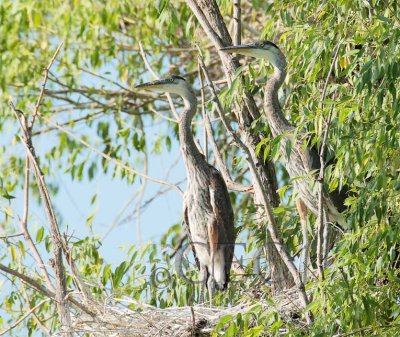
[(171, 79), (262, 45)]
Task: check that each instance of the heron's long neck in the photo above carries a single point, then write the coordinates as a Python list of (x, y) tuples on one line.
[(277, 121), (193, 159)]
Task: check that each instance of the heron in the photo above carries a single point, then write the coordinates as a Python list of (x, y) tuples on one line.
[(207, 209), (302, 161)]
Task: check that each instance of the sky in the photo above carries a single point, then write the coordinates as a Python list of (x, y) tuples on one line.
[(73, 202)]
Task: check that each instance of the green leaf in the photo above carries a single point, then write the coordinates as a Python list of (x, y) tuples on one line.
[(39, 234), (119, 274)]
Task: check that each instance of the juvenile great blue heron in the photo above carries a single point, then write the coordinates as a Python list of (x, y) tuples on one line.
[(301, 161), (207, 208)]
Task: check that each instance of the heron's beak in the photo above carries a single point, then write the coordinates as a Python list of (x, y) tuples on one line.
[(154, 85), (243, 49)]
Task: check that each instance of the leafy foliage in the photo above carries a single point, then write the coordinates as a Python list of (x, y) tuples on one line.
[(90, 85)]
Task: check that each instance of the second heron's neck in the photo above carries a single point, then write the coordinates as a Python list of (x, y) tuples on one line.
[(193, 159), (277, 121)]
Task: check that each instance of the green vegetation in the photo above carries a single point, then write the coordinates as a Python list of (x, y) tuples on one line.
[(90, 84)]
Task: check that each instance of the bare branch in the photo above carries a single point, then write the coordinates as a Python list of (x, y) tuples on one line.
[(148, 66), (46, 75), (24, 225), (220, 164), (61, 288), (305, 247), (71, 122), (5, 237)]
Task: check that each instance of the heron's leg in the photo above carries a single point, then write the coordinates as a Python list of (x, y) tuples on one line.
[(211, 289), (203, 280), (211, 283), (305, 247)]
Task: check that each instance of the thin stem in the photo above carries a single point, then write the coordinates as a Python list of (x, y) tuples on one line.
[(46, 75), (24, 227)]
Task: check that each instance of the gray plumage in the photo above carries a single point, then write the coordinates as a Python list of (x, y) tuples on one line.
[(207, 209)]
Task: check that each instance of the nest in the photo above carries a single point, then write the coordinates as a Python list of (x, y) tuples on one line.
[(117, 320)]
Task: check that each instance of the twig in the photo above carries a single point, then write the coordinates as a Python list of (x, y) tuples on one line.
[(329, 74), (148, 66), (106, 79), (193, 321), (83, 118), (12, 326), (178, 246), (305, 248), (321, 243), (46, 75), (321, 210), (142, 191), (204, 112), (24, 224), (5, 237), (221, 166), (34, 316)]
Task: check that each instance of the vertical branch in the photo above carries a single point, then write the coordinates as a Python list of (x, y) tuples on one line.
[(24, 221), (203, 112), (142, 191), (321, 211), (207, 125), (321, 238), (46, 75), (57, 247), (237, 27)]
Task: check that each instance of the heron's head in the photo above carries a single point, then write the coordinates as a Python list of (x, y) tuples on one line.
[(262, 49), (173, 85)]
